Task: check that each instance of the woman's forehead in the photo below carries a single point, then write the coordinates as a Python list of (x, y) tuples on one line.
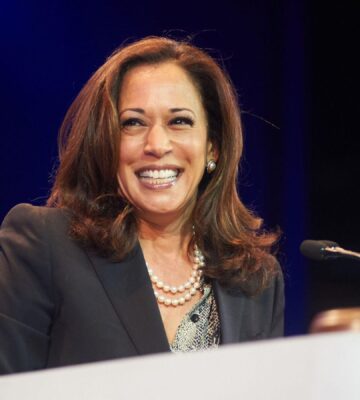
[(164, 85)]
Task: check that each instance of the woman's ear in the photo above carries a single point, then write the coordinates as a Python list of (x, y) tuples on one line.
[(212, 152)]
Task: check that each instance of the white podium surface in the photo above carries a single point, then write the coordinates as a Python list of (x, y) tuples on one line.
[(323, 366)]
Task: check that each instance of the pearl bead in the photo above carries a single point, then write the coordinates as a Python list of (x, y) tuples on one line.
[(192, 280), (181, 288), (154, 278), (192, 291), (166, 288), (187, 296), (173, 290), (161, 299), (159, 284), (167, 302), (187, 285), (174, 302), (181, 300)]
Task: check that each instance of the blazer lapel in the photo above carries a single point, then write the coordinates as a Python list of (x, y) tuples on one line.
[(129, 290), (232, 311)]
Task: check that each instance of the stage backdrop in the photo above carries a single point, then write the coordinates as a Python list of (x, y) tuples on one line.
[(292, 64)]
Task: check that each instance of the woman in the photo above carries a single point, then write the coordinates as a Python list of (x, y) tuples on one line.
[(144, 245)]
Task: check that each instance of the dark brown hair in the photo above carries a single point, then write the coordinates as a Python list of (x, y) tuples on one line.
[(236, 249)]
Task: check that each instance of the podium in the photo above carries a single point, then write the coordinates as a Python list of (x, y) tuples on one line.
[(322, 366)]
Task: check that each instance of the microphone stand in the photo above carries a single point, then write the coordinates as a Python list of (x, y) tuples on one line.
[(340, 252)]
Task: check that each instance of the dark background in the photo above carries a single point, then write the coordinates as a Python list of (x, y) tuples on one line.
[(294, 66)]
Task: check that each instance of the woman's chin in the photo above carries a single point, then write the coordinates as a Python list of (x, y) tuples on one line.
[(164, 212)]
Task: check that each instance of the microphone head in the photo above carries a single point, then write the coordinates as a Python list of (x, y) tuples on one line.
[(315, 249)]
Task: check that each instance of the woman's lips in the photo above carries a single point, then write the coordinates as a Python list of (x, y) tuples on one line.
[(158, 178), (158, 173)]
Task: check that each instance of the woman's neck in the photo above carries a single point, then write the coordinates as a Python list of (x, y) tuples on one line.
[(171, 241)]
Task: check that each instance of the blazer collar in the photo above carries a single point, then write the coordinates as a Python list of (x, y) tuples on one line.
[(128, 287)]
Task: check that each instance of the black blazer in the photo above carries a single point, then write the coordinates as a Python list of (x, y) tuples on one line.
[(62, 305)]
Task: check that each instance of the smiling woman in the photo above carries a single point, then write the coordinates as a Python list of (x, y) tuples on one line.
[(144, 245)]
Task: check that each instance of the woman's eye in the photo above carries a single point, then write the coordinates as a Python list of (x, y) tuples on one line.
[(132, 122), (182, 121)]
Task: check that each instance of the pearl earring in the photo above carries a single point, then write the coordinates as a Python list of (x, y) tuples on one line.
[(210, 166)]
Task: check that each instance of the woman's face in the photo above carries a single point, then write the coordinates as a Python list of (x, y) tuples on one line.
[(163, 146)]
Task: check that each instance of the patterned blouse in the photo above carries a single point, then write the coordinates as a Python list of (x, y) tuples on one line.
[(200, 328)]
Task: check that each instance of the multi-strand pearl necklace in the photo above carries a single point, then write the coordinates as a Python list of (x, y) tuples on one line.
[(188, 289)]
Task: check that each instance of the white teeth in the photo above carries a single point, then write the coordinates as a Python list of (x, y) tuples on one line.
[(156, 174)]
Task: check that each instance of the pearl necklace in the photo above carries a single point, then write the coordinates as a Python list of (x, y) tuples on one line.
[(188, 288)]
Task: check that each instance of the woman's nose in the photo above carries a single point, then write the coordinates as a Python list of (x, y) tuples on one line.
[(158, 142)]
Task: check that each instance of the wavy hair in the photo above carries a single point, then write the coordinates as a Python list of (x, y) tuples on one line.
[(231, 237)]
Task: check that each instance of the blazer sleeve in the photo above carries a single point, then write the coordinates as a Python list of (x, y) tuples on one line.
[(26, 304)]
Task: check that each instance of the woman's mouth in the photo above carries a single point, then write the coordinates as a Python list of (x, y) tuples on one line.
[(158, 178)]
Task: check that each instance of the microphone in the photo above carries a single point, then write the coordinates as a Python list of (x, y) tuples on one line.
[(320, 250)]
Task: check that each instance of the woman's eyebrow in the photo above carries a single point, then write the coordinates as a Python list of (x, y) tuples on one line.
[(139, 110), (181, 109), (142, 111)]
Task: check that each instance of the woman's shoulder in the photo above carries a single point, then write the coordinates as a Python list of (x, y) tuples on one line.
[(25, 216), (27, 212), (251, 290), (32, 233)]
